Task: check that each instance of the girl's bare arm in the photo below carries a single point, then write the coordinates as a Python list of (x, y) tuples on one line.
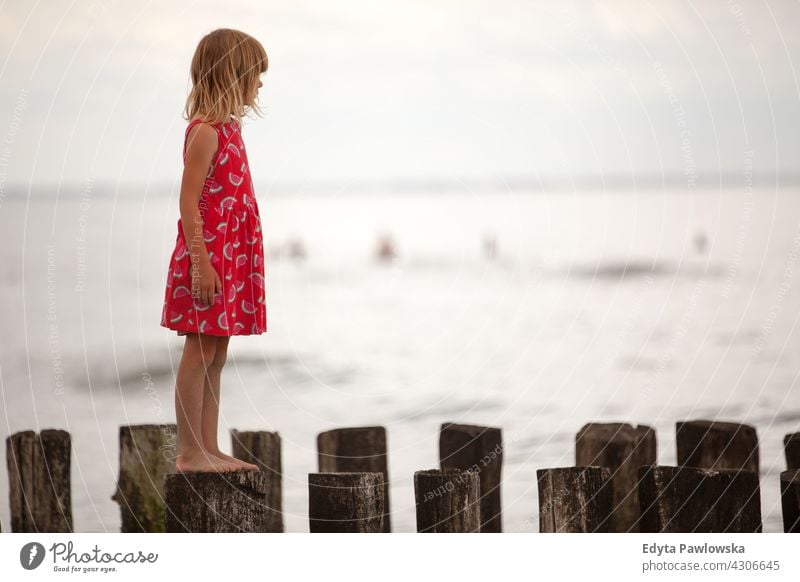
[(201, 146)]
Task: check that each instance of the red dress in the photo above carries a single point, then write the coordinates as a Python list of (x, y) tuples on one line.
[(232, 235)]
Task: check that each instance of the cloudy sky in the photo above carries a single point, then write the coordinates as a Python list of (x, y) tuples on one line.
[(446, 90)]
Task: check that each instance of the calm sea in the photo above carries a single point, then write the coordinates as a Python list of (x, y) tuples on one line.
[(533, 312)]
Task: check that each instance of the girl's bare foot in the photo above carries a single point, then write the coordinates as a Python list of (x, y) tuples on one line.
[(240, 463), (204, 462)]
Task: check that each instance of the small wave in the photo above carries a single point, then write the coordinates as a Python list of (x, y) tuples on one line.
[(617, 270), (450, 412)]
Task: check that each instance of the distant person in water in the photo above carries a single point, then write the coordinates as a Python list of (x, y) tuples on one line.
[(386, 252), (297, 250), (215, 282), (700, 241), (490, 246)]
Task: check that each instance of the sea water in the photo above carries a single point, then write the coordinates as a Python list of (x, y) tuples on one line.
[(536, 312)]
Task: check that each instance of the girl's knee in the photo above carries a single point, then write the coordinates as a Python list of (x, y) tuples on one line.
[(202, 347), (222, 351)]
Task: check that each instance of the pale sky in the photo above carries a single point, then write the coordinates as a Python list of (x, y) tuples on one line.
[(431, 89)]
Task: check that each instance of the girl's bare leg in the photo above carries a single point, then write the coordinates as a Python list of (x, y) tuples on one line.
[(199, 351), (211, 396)]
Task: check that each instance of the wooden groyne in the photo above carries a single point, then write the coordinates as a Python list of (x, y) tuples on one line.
[(229, 502), (690, 499), (346, 502), (39, 481), (360, 450), (447, 501), (263, 448), (146, 455), (575, 500), (614, 486), (622, 448), (479, 450)]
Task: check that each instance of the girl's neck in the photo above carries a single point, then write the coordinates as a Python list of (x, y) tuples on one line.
[(230, 118)]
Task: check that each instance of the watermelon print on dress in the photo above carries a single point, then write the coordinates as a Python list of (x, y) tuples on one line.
[(233, 238)]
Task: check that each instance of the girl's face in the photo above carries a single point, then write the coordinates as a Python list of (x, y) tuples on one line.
[(260, 84)]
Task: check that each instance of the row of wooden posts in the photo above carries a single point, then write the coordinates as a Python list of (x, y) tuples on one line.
[(615, 485)]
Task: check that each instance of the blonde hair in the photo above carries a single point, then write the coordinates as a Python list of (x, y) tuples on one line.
[(225, 70)]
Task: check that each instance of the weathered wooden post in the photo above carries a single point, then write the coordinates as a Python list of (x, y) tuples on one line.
[(790, 500), (712, 444), (39, 481), (791, 447), (479, 449), (448, 501), (346, 502), (216, 502), (622, 448), (356, 450), (146, 454), (575, 499), (263, 448), (687, 499)]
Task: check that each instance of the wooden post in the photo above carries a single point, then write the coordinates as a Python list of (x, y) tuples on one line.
[(711, 444), (263, 448), (478, 449), (622, 448), (146, 454), (39, 481), (575, 499), (448, 501), (356, 450), (346, 502), (791, 447), (212, 502), (686, 499), (790, 500)]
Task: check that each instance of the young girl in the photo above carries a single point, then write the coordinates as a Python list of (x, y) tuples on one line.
[(215, 282)]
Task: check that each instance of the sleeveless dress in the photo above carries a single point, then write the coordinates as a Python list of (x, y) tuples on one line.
[(233, 238)]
